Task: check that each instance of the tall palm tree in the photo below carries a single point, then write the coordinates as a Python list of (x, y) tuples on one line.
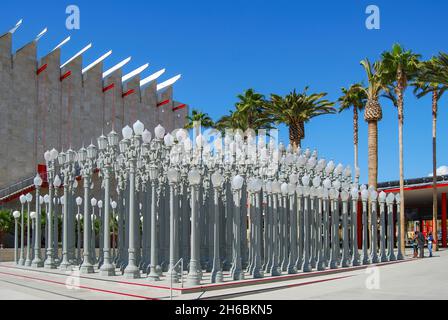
[(248, 114), (427, 81), (356, 98), (400, 66), (373, 113), (296, 109)]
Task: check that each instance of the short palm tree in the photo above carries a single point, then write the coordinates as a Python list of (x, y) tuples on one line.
[(356, 98), (427, 81), (400, 66), (248, 114), (296, 109), (198, 117)]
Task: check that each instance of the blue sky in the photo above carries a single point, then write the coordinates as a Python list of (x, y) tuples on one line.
[(224, 47)]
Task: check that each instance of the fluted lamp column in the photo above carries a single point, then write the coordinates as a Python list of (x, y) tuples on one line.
[(194, 277)]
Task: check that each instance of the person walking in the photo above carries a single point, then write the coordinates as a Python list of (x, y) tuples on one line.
[(415, 244), (421, 244), (430, 240)]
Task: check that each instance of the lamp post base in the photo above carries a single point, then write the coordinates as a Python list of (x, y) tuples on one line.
[(37, 263), (21, 262), (217, 276), (131, 272), (193, 278), (107, 270), (172, 276), (87, 268), (66, 266)]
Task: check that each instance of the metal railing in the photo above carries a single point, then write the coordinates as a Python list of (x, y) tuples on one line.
[(181, 261), (16, 187)]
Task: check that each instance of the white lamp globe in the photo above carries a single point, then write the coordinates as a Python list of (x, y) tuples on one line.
[(78, 217), (75, 184), (200, 141), (78, 201), (316, 181), (348, 171), (146, 136), (127, 132), (138, 127), (382, 196), (327, 183), (29, 197), (22, 199), (16, 214), (390, 198), (57, 181), (306, 191), (276, 187), (373, 195), (181, 135), (37, 181), (46, 198), (47, 156), (62, 200), (237, 182), (398, 198), (258, 184), (93, 202), (284, 188), (33, 215), (53, 154), (337, 184), (194, 177), (188, 144), (363, 187), (268, 187), (293, 178), (325, 193), (159, 132), (100, 204), (173, 175), (306, 180), (364, 195), (217, 179), (168, 140), (41, 199), (355, 194), (113, 204)]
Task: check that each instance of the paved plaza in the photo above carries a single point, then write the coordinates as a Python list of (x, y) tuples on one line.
[(410, 279)]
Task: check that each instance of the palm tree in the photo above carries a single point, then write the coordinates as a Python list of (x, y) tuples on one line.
[(427, 81), (356, 98), (400, 66), (199, 117), (372, 114), (248, 114), (295, 109)]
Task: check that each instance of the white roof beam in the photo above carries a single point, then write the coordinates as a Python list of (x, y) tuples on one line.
[(41, 34), (168, 82), (152, 77), (62, 43), (100, 59), (77, 55), (135, 72), (116, 67), (18, 24)]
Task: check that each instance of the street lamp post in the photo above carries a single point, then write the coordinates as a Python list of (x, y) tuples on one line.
[(390, 227), (374, 226), (22, 227), (173, 179), (193, 279), (217, 181), (16, 215), (365, 226), (345, 247), (29, 198), (355, 255), (382, 202), (78, 227), (37, 261), (399, 253)]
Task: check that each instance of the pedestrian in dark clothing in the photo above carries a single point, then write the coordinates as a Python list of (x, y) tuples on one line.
[(415, 244), (421, 244), (430, 240)]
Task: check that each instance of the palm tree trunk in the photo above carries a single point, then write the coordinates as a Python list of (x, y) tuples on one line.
[(400, 146), (296, 134), (434, 171), (373, 152), (355, 134)]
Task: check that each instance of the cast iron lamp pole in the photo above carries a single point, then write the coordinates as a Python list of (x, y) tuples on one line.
[(173, 179), (193, 279), (217, 181), (382, 202), (37, 261), (274, 268), (78, 229), (365, 226), (355, 196), (374, 226), (16, 215), (22, 228), (237, 271), (345, 232), (399, 253), (50, 157), (29, 198), (390, 226)]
